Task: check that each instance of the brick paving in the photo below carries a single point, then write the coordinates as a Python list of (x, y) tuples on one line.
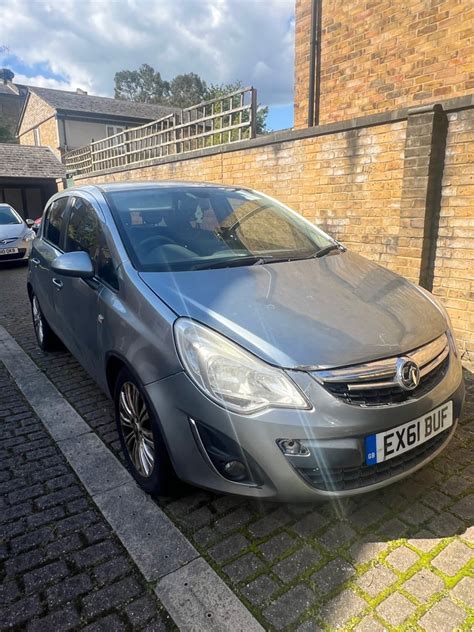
[(61, 567), (401, 558)]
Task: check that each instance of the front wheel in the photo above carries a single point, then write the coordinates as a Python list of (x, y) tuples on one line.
[(140, 436), (45, 336)]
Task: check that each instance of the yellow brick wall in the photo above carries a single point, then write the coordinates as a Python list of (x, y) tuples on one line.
[(49, 135), (28, 138), (302, 45), (348, 183), (36, 112), (39, 114), (382, 55), (454, 268)]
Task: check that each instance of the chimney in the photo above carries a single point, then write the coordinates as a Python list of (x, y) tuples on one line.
[(81, 91)]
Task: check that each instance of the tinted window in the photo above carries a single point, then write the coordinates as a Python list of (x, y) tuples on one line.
[(186, 228), (54, 218), (85, 234)]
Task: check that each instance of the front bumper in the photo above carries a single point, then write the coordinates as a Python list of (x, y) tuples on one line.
[(334, 430), (24, 250)]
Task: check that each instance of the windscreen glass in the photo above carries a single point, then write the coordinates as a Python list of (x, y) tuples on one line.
[(208, 227), (8, 216)]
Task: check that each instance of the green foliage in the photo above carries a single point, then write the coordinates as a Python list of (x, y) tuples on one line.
[(186, 90), (144, 84), (217, 90), (5, 73), (6, 135)]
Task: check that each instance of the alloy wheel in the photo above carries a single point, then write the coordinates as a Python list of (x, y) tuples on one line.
[(136, 428), (37, 320)]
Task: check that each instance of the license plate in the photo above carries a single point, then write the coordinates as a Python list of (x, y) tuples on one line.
[(389, 444), (8, 251)]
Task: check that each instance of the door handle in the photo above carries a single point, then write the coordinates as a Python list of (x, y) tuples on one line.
[(58, 284), (36, 261)]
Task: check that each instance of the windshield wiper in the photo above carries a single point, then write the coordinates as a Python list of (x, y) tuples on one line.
[(230, 263), (326, 250)]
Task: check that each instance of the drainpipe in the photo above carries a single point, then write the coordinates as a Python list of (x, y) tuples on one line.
[(314, 63)]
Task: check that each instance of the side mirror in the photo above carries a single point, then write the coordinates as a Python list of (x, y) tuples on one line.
[(29, 222), (74, 264), (35, 227)]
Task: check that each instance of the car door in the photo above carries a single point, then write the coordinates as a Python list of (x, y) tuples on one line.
[(78, 300), (45, 249)]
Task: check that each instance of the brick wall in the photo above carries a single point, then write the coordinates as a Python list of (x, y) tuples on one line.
[(302, 51), (36, 112), (349, 183), (454, 266), (42, 116), (370, 184), (381, 55)]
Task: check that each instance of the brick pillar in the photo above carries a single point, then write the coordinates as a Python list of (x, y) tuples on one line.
[(425, 148)]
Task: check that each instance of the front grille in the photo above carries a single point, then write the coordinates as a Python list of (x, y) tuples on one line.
[(388, 396), (340, 479), (381, 382), (17, 255)]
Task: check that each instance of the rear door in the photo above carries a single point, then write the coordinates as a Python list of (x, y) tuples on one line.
[(44, 249)]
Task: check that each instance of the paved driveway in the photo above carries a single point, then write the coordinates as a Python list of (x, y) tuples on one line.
[(399, 559)]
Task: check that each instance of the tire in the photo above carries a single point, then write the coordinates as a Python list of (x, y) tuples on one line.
[(141, 439), (45, 336)]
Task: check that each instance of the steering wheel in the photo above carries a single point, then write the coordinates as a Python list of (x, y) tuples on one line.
[(156, 240)]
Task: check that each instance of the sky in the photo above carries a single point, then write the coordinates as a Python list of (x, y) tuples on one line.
[(69, 44)]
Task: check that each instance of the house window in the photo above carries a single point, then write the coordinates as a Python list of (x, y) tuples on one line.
[(114, 129), (37, 135)]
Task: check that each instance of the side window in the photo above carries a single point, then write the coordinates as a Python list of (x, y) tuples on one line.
[(84, 233), (54, 220)]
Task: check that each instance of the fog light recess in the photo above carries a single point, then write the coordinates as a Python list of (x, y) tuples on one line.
[(235, 470)]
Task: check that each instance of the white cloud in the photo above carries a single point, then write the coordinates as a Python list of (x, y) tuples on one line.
[(87, 41)]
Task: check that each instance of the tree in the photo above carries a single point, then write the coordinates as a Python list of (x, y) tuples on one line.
[(5, 73), (187, 90), (144, 84), (219, 90), (6, 135)]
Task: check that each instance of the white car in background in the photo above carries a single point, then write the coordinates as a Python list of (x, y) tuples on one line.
[(16, 235)]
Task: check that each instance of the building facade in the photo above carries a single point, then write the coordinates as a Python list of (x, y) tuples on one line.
[(64, 121), (354, 57)]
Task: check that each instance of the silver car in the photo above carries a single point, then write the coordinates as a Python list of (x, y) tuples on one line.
[(16, 235), (246, 351)]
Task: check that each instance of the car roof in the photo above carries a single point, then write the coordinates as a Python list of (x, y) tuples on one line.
[(108, 187)]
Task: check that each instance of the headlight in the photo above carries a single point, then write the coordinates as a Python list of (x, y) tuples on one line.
[(231, 376), (29, 236)]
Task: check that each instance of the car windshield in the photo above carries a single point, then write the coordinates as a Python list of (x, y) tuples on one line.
[(8, 216), (196, 228)]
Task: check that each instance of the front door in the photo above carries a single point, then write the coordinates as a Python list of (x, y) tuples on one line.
[(77, 300)]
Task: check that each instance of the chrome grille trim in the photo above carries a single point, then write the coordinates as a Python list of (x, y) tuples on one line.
[(360, 377)]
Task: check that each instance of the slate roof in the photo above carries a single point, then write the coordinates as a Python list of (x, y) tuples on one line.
[(8, 88), (29, 161), (85, 103)]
